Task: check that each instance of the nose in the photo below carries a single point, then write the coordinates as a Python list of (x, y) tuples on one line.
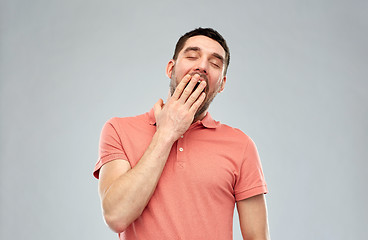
[(202, 66)]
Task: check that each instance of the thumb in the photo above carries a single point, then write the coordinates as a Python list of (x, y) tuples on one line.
[(158, 106), (168, 96)]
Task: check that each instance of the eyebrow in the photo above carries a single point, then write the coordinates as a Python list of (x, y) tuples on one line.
[(197, 49), (216, 55)]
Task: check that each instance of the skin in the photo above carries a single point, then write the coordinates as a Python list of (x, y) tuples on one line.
[(204, 56), (253, 218), (125, 191)]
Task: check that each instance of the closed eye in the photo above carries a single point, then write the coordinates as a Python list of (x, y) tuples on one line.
[(215, 65)]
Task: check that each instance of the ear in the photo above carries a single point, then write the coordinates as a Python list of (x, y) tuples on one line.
[(170, 67), (222, 84)]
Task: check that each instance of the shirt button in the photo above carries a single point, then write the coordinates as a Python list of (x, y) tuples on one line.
[(181, 149), (181, 136)]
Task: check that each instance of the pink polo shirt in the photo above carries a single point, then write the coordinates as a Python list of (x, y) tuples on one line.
[(209, 168)]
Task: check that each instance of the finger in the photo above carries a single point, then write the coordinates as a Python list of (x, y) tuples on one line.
[(158, 106), (193, 109), (194, 96), (189, 88), (168, 95), (179, 89)]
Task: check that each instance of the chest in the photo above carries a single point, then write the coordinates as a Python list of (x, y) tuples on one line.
[(206, 167), (200, 162)]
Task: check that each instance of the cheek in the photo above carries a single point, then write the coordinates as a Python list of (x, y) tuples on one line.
[(184, 66), (177, 72), (215, 82)]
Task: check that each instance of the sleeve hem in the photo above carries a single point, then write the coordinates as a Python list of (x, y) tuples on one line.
[(251, 192), (105, 160)]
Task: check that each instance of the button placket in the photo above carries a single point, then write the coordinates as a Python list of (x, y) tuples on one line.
[(180, 153), (180, 144)]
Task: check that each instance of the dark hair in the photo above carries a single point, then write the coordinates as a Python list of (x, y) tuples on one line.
[(208, 32)]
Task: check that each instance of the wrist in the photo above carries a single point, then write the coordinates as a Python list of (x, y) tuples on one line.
[(165, 136)]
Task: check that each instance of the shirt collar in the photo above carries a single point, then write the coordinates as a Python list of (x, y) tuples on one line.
[(207, 121)]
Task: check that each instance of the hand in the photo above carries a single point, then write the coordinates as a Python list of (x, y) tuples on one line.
[(175, 117)]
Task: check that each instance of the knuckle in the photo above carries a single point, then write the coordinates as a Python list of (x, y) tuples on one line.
[(192, 98), (187, 91)]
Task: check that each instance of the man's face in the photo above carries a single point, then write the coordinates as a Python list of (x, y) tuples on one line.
[(204, 56)]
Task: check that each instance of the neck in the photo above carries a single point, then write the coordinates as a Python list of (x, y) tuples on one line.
[(199, 117)]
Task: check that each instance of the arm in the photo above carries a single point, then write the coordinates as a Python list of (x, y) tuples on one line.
[(125, 191), (253, 218)]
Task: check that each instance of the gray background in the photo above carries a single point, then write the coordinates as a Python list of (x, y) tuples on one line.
[(297, 84)]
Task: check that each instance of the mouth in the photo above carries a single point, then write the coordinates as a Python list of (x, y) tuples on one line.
[(202, 77), (197, 84)]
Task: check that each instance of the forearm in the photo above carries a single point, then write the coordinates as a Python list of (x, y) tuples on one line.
[(129, 194), (253, 218), (258, 238), (125, 195), (261, 236)]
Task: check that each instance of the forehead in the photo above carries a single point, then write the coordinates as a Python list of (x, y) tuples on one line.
[(206, 44)]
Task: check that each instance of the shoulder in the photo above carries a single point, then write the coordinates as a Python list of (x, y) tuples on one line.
[(235, 133), (129, 128), (128, 121)]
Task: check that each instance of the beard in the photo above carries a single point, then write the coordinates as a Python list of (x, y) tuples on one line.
[(209, 95)]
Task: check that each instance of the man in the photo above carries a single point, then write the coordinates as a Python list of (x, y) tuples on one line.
[(174, 172)]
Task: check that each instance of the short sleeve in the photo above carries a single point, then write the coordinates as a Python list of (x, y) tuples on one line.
[(250, 180), (110, 147)]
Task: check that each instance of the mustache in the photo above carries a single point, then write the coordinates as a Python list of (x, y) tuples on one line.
[(201, 75)]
